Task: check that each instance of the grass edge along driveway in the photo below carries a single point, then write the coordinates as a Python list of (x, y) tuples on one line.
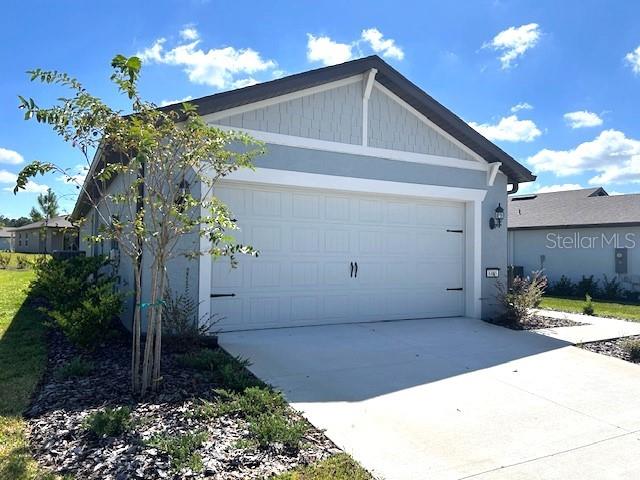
[(602, 308)]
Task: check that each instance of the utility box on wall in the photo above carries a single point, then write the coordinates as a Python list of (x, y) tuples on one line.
[(621, 260)]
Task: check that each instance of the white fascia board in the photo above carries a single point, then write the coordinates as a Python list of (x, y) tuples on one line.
[(328, 146), (429, 123), (212, 117), (270, 176)]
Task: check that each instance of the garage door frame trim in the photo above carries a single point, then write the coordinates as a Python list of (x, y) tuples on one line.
[(471, 197)]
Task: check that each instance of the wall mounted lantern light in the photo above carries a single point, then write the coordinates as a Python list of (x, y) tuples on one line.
[(183, 192), (498, 216)]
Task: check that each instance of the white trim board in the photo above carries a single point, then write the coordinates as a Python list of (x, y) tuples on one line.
[(472, 198), (428, 122), (369, 80), (212, 117), (272, 176), (325, 145)]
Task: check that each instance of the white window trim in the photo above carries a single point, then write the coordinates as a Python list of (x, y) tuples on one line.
[(328, 146), (472, 199)]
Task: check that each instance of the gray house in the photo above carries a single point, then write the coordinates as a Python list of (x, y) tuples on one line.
[(576, 233), (373, 202), (6, 242), (45, 236)]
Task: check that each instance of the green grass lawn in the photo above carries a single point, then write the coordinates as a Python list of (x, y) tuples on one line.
[(338, 467), (23, 357), (31, 257), (602, 308)]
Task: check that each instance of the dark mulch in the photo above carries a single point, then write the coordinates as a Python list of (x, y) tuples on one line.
[(60, 442), (535, 322), (613, 348)]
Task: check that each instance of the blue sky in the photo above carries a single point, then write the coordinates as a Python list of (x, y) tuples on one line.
[(555, 84)]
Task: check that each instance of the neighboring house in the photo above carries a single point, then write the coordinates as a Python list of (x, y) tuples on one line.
[(576, 233), (6, 243), (45, 236), (373, 202)]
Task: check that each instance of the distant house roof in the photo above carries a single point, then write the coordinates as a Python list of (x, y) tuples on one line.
[(388, 77), (54, 222), (5, 232), (589, 207)]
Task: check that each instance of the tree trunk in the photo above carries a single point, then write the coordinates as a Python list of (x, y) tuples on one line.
[(135, 347)]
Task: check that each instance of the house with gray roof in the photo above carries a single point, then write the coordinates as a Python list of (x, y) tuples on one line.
[(6, 243), (577, 233), (45, 236), (372, 202)]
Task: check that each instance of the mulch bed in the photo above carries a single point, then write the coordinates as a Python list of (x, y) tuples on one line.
[(613, 348), (537, 321), (59, 441)]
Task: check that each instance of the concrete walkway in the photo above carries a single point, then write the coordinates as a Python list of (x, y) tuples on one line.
[(456, 398), (596, 328)]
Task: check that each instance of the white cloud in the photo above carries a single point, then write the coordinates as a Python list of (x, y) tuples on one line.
[(164, 103), (563, 187), (10, 156), (612, 155), (244, 82), (217, 67), (189, 33), (521, 106), (326, 50), (75, 175), (514, 42), (10, 178), (387, 48), (509, 129), (582, 119), (633, 59)]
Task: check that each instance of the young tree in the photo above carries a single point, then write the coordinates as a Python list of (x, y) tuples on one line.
[(48, 203), (140, 186), (35, 215)]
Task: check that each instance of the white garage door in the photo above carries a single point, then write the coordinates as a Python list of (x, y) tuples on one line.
[(329, 257)]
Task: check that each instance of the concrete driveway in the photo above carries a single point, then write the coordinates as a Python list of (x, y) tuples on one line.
[(456, 398)]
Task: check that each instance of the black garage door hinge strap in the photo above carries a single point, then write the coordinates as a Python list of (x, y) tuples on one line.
[(217, 295), (455, 231), (454, 289)]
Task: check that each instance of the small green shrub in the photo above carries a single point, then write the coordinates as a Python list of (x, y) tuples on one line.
[(182, 330), (5, 260), (632, 347), (269, 429), (587, 308), (253, 402), (524, 294), (109, 422), (611, 289), (93, 320), (181, 449), (77, 367), (227, 371), (22, 262), (587, 285), (80, 295), (562, 288)]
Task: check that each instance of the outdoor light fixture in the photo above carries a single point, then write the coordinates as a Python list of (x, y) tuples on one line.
[(183, 191), (498, 216)]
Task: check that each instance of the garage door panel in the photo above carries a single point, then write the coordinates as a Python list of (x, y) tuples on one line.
[(305, 274), (308, 239)]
